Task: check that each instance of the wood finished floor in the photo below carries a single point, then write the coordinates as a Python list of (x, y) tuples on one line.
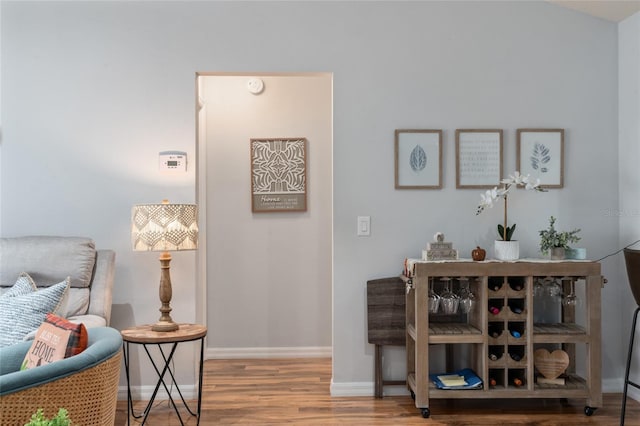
[(296, 391)]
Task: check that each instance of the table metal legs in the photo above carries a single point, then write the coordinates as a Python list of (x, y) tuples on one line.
[(161, 381)]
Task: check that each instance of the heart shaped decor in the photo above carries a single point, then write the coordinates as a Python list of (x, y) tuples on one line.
[(551, 365)]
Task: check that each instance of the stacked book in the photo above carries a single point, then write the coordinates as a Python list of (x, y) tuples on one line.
[(439, 250), (463, 379)]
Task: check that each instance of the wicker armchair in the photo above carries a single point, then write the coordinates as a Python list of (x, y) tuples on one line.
[(85, 384)]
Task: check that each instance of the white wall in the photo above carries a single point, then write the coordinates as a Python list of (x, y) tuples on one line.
[(276, 300), (629, 176), (92, 91)]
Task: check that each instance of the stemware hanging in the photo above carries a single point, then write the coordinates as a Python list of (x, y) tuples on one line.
[(448, 299), (570, 300), (465, 295), (434, 299)]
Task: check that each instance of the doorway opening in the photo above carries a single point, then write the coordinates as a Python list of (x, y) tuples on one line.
[(264, 279)]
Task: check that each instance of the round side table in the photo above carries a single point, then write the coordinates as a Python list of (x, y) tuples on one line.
[(143, 335)]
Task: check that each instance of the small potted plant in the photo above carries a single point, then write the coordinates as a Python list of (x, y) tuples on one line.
[(555, 242), (61, 419)]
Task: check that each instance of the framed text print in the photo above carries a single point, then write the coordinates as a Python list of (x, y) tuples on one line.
[(540, 154), (418, 159), (478, 158), (278, 175)]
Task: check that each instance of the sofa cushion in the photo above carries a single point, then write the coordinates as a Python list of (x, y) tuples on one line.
[(21, 314), (47, 259), (55, 339)]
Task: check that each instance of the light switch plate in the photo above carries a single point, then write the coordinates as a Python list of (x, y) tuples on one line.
[(364, 226)]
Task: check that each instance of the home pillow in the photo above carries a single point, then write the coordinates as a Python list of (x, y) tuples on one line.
[(21, 314), (56, 339)]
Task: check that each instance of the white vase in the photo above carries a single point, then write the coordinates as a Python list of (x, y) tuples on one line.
[(506, 250)]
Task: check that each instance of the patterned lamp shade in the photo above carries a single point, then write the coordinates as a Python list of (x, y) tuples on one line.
[(164, 227)]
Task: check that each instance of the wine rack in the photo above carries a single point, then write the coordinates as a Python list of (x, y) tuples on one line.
[(499, 331)]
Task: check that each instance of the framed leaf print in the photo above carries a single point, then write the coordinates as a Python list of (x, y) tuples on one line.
[(540, 154), (418, 159), (278, 175), (478, 158)]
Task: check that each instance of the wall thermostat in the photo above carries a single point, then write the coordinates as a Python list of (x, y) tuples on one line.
[(173, 161)]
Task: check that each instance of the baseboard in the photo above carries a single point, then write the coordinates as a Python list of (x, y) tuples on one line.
[(351, 388), (257, 353), (612, 385), (617, 386), (143, 393)]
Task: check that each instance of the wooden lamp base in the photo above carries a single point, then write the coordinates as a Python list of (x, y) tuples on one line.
[(165, 323)]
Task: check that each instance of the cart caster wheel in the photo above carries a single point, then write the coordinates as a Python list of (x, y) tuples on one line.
[(425, 413), (413, 395), (588, 411)]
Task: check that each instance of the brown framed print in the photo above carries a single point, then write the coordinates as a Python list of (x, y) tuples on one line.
[(418, 159), (279, 175), (540, 154), (478, 158)]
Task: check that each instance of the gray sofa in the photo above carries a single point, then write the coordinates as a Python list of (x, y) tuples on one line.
[(50, 260)]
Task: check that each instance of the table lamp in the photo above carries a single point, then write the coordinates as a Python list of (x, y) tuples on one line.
[(164, 227)]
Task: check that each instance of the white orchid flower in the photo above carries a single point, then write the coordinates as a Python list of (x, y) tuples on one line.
[(515, 179), (487, 199), (533, 185)]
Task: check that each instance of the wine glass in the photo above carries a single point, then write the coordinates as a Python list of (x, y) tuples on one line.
[(434, 299), (570, 300), (448, 299), (539, 287), (466, 297), (554, 289)]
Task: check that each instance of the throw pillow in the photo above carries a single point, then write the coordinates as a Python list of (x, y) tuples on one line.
[(21, 314), (55, 339), (24, 285)]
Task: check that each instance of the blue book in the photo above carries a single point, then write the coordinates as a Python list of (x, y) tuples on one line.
[(461, 379)]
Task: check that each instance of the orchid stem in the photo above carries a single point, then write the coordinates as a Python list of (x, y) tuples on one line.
[(504, 230)]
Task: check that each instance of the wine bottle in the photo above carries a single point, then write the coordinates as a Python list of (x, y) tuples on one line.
[(516, 310), (515, 356), (495, 285), (494, 310), (492, 381), (493, 357), (517, 382), (516, 334)]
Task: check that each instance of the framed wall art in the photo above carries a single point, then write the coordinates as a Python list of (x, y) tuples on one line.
[(478, 158), (418, 159), (278, 175), (540, 154)]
